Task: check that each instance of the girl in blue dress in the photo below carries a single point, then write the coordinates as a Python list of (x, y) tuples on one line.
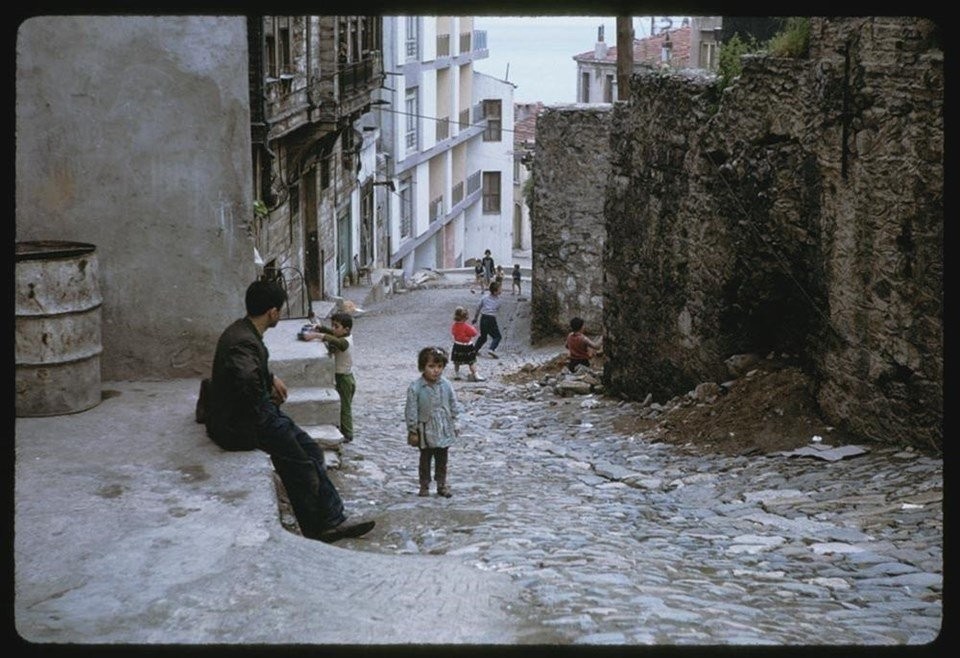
[(431, 418)]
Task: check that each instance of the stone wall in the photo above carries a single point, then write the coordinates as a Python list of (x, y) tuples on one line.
[(799, 213), (571, 169), (882, 83)]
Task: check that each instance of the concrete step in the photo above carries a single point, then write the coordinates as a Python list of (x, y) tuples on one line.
[(331, 459), (313, 405), (328, 436), (305, 372), (298, 363)]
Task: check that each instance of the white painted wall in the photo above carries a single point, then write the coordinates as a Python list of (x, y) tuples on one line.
[(493, 231)]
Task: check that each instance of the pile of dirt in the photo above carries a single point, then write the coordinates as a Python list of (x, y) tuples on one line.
[(772, 408), (530, 373), (769, 410)]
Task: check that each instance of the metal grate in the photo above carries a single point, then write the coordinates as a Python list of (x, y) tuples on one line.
[(293, 282)]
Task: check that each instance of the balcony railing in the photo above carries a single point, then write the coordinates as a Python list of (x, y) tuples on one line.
[(443, 129), (473, 182), (457, 193), (465, 119), (356, 76), (443, 45), (465, 40), (479, 39), (436, 208)]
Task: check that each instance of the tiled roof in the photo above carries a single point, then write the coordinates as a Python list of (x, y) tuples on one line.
[(647, 50), (525, 122)]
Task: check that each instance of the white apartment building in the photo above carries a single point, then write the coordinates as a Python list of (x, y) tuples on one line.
[(445, 170), (524, 141), (694, 44)]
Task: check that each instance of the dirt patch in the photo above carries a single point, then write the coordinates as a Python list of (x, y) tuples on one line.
[(772, 408), (531, 373)]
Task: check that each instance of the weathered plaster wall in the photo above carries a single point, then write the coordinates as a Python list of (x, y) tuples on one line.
[(571, 170), (802, 213), (133, 134)]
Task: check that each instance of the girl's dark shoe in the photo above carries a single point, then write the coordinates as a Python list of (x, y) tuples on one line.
[(444, 491), (424, 490)]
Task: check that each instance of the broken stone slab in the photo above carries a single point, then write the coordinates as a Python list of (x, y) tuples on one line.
[(639, 482), (331, 459), (827, 548), (572, 387), (706, 392), (776, 496), (804, 527), (323, 309), (753, 544), (420, 277), (739, 364), (825, 452), (613, 471)]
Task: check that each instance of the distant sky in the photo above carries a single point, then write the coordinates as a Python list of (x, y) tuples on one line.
[(536, 52)]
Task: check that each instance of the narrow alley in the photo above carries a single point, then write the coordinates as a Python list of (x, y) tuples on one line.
[(616, 540)]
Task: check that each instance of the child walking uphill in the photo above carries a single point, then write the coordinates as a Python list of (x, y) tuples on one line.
[(339, 340), (488, 267), (464, 352), (478, 272), (431, 418), (487, 313)]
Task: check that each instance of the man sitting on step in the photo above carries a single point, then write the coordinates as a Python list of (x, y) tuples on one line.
[(243, 413)]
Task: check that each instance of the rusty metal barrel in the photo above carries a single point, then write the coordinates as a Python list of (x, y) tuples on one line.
[(57, 328)]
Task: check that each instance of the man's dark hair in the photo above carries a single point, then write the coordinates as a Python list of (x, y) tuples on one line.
[(345, 320), (576, 324), (264, 295)]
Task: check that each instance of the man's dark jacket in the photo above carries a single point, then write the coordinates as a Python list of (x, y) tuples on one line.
[(241, 381)]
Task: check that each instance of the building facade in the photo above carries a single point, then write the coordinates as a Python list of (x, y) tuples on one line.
[(694, 44), (524, 141), (444, 170), (311, 80)]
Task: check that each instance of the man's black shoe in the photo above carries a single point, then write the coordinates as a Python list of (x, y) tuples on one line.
[(346, 530)]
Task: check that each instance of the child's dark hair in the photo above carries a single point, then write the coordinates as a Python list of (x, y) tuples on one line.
[(431, 354), (460, 314), (345, 320), (494, 287), (576, 324)]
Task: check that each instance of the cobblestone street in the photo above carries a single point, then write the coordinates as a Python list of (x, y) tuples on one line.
[(620, 541)]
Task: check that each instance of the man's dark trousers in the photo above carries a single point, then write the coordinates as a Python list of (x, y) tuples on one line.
[(299, 461)]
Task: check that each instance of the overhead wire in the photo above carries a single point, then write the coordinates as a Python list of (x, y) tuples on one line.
[(424, 116)]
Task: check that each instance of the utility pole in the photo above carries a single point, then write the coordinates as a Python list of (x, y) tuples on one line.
[(624, 56)]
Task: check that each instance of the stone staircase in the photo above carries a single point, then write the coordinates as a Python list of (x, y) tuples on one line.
[(307, 370)]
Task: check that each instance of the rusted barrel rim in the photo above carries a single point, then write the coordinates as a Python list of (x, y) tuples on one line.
[(45, 249)]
